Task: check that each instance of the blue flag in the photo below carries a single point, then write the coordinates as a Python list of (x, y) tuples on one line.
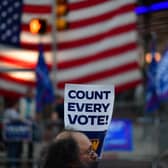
[(44, 88), (162, 78), (152, 102)]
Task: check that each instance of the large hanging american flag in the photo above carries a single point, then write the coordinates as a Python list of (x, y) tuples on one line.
[(100, 45)]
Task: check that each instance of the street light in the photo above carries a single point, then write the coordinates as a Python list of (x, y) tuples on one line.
[(38, 26), (61, 11), (148, 57)]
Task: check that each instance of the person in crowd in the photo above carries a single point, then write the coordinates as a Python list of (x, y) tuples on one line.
[(27, 112), (59, 108), (27, 105), (162, 161), (55, 123), (62, 153), (13, 148), (88, 156)]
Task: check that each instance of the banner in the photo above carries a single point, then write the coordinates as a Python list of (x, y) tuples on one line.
[(17, 131), (88, 108), (119, 136), (162, 78), (44, 88)]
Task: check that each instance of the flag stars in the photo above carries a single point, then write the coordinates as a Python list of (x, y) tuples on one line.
[(10, 15), (3, 37), (5, 3), (15, 28), (8, 33), (14, 39), (10, 10), (16, 4), (3, 14), (15, 16), (2, 26), (9, 21)]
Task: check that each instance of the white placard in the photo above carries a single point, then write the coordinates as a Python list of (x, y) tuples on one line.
[(88, 107)]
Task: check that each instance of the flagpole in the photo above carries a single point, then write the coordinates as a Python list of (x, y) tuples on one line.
[(157, 116), (54, 46)]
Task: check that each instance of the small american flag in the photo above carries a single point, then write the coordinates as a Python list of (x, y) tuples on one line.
[(99, 47)]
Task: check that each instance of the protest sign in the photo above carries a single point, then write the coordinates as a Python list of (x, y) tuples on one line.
[(17, 131), (88, 108), (119, 136)]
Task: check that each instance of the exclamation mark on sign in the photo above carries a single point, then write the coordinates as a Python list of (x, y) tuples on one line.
[(106, 119)]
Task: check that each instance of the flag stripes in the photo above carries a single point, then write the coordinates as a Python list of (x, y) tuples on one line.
[(100, 45)]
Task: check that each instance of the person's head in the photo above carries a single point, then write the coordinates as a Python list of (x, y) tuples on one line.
[(29, 93), (63, 153), (13, 104), (162, 161), (87, 155)]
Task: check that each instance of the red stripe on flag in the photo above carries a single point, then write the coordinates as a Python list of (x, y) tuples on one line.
[(25, 27), (101, 18), (9, 78), (101, 55), (85, 4), (98, 37), (35, 46), (37, 9), (85, 41), (10, 94), (20, 63), (101, 75), (128, 85), (92, 20), (14, 61)]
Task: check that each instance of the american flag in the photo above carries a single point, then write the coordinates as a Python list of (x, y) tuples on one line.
[(99, 46)]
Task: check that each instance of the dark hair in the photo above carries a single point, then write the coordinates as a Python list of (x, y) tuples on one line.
[(63, 153)]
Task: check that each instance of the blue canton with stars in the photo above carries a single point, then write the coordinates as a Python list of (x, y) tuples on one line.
[(10, 21)]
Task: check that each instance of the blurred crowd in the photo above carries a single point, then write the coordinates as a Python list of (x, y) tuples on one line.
[(43, 127)]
